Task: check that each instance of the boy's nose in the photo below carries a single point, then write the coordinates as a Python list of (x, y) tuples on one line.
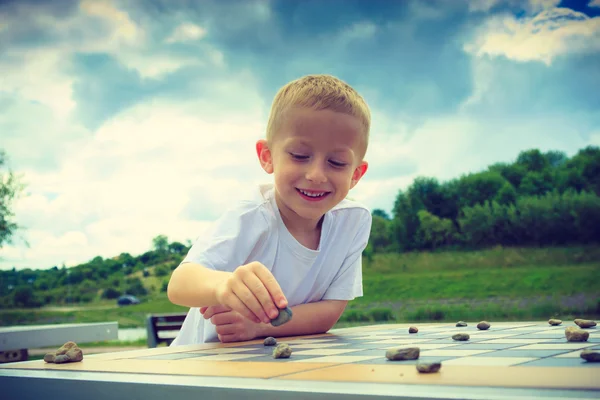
[(315, 174)]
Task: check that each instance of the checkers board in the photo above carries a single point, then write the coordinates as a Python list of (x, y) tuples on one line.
[(510, 360)]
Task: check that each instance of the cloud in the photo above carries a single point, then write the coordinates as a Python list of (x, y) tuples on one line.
[(594, 3), (185, 32), (544, 37), (131, 120)]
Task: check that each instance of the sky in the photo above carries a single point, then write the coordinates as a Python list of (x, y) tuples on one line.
[(132, 119)]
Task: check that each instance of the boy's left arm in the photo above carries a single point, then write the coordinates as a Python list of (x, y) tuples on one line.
[(307, 319)]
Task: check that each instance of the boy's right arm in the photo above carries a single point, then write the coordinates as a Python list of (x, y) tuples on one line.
[(250, 290)]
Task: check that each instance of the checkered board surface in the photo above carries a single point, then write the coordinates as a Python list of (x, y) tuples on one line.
[(502, 345)]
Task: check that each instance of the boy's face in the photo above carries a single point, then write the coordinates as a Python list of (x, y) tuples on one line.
[(316, 158)]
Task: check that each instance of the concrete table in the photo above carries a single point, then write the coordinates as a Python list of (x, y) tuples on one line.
[(518, 360)]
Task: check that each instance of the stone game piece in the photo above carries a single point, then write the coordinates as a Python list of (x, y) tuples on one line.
[(429, 367), (574, 334), (461, 324), (554, 322), (406, 353), (461, 337), (413, 329), (68, 352), (483, 325), (285, 315), (283, 350), (270, 341), (590, 355), (585, 323)]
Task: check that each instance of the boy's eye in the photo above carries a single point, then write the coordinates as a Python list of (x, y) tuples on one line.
[(337, 163), (298, 156)]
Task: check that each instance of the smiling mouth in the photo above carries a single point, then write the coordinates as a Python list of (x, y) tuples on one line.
[(312, 195)]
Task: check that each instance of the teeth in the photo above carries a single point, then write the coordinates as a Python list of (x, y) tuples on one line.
[(311, 194)]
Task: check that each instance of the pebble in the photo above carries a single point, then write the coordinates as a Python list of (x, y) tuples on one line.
[(483, 325), (554, 322), (283, 350), (590, 355), (461, 323), (284, 316), (574, 334), (406, 353), (461, 336), (429, 367), (68, 352), (585, 323), (270, 341), (413, 329)]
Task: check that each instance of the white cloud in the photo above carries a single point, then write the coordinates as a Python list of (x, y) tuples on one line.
[(138, 176), (594, 3), (186, 32), (547, 35), (531, 6)]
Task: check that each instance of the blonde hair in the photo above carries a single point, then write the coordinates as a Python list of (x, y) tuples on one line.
[(319, 92)]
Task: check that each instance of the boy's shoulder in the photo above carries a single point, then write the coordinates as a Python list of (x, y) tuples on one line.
[(351, 207)]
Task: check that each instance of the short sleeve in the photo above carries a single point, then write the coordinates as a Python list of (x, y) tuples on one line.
[(230, 240), (347, 283)]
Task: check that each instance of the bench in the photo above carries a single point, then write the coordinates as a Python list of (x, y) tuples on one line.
[(158, 324)]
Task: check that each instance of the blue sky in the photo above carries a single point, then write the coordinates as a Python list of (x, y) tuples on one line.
[(130, 119)]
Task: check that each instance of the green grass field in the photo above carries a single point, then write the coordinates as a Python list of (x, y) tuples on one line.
[(495, 284)]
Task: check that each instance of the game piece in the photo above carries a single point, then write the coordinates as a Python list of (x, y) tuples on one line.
[(270, 341), (461, 323), (590, 355), (283, 350), (483, 325), (399, 353), (284, 316), (69, 352), (576, 335), (413, 329), (429, 367), (585, 323), (554, 322), (461, 336)]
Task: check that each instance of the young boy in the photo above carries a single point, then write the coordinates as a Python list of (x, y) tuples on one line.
[(295, 243)]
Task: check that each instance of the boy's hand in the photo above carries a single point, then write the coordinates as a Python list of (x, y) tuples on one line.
[(253, 292), (230, 325)]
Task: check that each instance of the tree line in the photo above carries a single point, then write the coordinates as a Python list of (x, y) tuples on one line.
[(540, 199)]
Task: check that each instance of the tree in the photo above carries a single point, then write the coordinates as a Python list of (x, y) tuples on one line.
[(10, 189), (160, 243)]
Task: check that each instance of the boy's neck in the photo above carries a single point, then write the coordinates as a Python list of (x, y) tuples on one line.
[(306, 232)]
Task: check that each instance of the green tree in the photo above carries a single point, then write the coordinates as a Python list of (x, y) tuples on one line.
[(160, 243), (10, 189), (381, 234), (435, 231)]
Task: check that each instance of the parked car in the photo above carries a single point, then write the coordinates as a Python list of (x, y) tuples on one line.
[(127, 299)]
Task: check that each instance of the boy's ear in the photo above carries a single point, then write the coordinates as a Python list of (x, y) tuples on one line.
[(264, 156), (358, 173)]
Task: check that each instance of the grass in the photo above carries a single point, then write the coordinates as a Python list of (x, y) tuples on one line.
[(496, 284)]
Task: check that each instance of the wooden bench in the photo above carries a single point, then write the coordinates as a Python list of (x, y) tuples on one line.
[(163, 323)]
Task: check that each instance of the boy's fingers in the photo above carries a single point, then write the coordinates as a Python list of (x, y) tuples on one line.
[(247, 297), (259, 290), (212, 310), (237, 305), (223, 318), (272, 286)]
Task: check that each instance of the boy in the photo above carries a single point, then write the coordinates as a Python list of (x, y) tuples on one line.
[(297, 242)]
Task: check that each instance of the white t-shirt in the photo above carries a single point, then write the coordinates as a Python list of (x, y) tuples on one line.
[(254, 231)]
